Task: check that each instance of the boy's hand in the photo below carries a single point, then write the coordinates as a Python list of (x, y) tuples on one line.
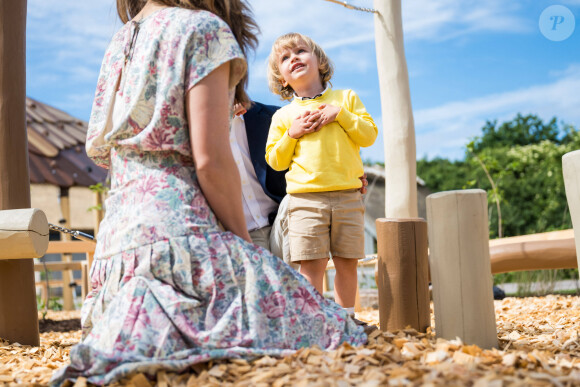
[(329, 113), (307, 122), (365, 182)]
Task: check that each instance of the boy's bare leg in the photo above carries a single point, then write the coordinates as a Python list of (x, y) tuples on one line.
[(345, 281), (313, 270)]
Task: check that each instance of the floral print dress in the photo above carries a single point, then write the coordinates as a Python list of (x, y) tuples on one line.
[(169, 288)]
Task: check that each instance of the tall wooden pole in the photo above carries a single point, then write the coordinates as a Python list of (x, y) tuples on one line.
[(398, 125), (18, 314)]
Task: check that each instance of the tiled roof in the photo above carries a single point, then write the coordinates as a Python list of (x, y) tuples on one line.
[(56, 148)]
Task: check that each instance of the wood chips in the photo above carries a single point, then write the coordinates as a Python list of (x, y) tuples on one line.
[(539, 346)]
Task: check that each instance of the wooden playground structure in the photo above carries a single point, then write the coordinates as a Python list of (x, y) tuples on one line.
[(459, 257)]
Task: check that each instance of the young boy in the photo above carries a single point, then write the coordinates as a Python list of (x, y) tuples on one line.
[(318, 137)]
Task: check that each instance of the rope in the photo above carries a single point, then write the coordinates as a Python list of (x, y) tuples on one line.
[(354, 7)]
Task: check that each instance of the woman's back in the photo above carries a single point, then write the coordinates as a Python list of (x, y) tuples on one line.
[(140, 105)]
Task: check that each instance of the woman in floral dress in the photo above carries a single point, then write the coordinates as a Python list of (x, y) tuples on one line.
[(170, 288)]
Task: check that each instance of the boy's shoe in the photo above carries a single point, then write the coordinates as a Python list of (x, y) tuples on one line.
[(368, 328)]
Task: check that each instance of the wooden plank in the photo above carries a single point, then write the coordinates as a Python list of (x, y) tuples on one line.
[(62, 247), (39, 142), (59, 266), (56, 284), (47, 135)]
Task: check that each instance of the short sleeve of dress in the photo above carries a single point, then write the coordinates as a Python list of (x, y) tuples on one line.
[(210, 45), (96, 145)]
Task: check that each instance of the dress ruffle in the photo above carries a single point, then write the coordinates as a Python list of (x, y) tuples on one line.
[(189, 299)]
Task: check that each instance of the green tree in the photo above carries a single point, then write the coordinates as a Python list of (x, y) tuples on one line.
[(523, 160), (522, 130)]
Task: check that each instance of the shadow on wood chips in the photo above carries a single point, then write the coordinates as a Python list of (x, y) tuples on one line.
[(47, 325)]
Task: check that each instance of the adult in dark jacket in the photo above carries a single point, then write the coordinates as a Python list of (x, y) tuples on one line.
[(263, 189)]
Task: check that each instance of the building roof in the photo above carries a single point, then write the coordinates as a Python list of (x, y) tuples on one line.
[(56, 148)]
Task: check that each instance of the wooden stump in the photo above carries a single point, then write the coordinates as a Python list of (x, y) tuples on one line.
[(460, 267), (571, 172), (403, 274), (23, 233)]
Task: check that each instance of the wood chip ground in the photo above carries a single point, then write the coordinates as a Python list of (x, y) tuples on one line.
[(538, 336)]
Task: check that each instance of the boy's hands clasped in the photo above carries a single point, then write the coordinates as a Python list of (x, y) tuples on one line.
[(313, 121)]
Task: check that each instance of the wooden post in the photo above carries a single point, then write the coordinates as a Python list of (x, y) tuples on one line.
[(18, 314), (398, 125), (99, 212), (571, 172), (403, 274), (67, 275), (460, 268)]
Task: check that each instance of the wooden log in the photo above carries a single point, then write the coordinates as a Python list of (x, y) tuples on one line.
[(460, 267), (571, 172), (542, 236), (398, 124), (403, 274), (23, 233), (70, 247), (533, 255)]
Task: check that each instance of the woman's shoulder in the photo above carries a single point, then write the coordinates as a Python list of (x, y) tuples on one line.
[(188, 20)]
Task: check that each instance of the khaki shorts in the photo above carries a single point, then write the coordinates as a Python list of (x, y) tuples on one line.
[(320, 223)]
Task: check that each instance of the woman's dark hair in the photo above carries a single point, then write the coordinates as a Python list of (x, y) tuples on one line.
[(236, 13)]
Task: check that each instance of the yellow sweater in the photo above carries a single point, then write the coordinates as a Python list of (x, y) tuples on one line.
[(327, 160)]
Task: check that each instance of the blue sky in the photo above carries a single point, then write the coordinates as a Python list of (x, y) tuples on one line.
[(469, 61)]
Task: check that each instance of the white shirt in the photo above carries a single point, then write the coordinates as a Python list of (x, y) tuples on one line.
[(257, 205)]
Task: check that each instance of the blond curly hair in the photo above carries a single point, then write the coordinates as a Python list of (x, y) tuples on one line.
[(291, 40)]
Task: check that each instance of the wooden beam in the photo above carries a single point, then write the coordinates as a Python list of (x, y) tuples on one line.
[(533, 255), (70, 247), (58, 266), (18, 314)]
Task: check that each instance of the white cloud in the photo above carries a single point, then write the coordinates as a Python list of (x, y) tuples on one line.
[(440, 20), (444, 130), (65, 46)]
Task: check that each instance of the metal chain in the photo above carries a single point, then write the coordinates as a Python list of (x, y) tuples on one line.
[(354, 7), (75, 233)]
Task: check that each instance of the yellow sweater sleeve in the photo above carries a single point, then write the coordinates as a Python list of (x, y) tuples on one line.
[(356, 122), (280, 146)]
